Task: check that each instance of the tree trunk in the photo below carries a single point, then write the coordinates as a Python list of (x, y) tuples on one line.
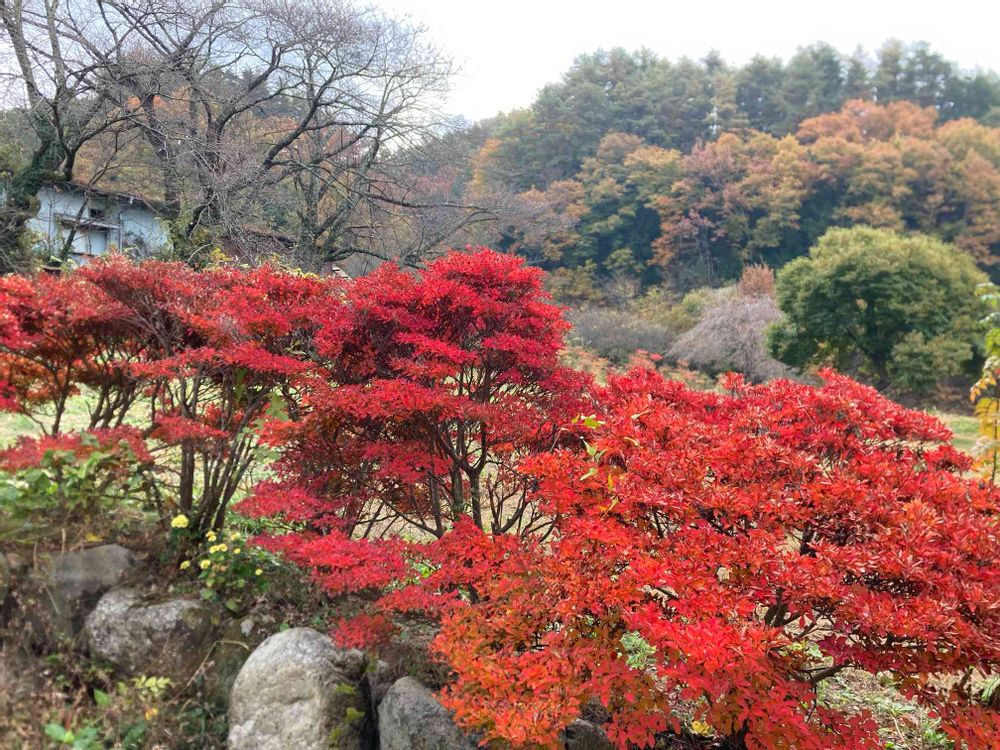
[(475, 495)]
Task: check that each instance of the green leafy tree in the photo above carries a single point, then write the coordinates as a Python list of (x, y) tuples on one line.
[(759, 94), (813, 84), (617, 217), (898, 310)]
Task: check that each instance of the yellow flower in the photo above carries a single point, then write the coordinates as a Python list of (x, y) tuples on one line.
[(185, 565), (214, 548), (179, 522), (258, 572), (151, 713), (237, 550), (210, 536), (234, 536), (204, 564), (222, 547)]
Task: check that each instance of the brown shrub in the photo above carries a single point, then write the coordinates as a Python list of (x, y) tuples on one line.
[(757, 281)]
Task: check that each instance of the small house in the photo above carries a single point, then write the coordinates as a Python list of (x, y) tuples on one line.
[(95, 222)]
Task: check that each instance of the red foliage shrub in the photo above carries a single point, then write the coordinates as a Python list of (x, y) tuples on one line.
[(28, 452), (428, 390), (206, 354), (58, 333), (724, 553), (671, 553), (755, 543), (220, 348)]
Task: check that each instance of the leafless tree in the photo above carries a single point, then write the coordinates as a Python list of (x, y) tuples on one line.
[(731, 336), (293, 114), (61, 99)]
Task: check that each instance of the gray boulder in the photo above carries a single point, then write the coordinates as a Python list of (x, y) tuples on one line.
[(77, 580), (297, 690), (582, 735), (410, 718), (166, 639)]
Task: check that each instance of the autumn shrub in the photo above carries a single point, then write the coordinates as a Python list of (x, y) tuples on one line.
[(59, 334), (430, 390), (757, 280), (757, 542), (675, 556), (76, 477), (665, 552), (193, 359), (715, 555), (829, 529), (224, 345)]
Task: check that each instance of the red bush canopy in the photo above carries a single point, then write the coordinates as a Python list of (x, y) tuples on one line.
[(726, 553), (674, 555), (707, 555)]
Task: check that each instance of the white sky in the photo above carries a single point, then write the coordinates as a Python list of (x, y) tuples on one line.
[(508, 49)]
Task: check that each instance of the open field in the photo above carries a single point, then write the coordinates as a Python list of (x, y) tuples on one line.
[(965, 427), (13, 426)]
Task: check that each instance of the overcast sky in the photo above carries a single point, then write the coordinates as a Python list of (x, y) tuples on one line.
[(508, 49)]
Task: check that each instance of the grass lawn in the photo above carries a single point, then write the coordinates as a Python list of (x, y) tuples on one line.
[(965, 427), (13, 426)]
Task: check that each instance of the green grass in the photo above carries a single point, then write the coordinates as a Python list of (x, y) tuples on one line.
[(13, 426), (965, 427)]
